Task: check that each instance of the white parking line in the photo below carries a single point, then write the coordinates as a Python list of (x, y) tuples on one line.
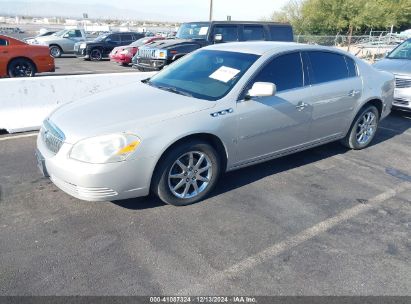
[(18, 136), (395, 131), (293, 241)]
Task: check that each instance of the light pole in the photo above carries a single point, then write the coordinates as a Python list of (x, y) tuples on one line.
[(211, 10)]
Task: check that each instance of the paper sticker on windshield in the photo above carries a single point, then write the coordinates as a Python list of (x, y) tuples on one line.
[(203, 31), (224, 74)]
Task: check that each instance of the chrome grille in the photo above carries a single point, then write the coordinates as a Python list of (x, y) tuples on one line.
[(402, 82), (52, 137), (147, 53)]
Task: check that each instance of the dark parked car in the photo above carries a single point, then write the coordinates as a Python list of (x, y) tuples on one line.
[(101, 47), (194, 35)]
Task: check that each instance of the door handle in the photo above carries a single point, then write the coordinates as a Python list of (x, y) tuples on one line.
[(5, 52), (353, 93), (301, 106)]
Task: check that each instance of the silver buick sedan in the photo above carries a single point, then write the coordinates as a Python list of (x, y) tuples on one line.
[(218, 109)]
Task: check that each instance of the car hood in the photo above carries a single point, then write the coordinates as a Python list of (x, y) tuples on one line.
[(47, 38), (169, 43), (124, 109), (395, 66)]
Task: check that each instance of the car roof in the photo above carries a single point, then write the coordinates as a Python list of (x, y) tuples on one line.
[(262, 47)]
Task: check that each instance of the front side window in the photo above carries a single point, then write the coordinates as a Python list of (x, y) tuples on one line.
[(3, 42), (229, 33), (284, 71), (113, 38), (206, 74), (72, 33), (193, 30), (403, 51), (253, 33), (326, 66), (78, 34)]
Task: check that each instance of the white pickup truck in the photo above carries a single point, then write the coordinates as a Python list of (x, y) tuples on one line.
[(61, 42)]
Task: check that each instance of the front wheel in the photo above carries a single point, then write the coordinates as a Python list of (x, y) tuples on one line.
[(187, 174), (55, 51), (96, 55), (363, 129)]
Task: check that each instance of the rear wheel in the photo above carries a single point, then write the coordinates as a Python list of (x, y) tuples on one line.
[(187, 174), (363, 129), (21, 68), (96, 55), (55, 51)]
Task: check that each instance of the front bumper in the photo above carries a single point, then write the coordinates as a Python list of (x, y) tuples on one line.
[(144, 64), (97, 182), (402, 98), (81, 53)]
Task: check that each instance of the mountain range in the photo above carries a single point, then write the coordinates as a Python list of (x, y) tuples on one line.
[(76, 10)]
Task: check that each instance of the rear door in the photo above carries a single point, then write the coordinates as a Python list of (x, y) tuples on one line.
[(335, 88), (281, 33), (276, 124), (253, 32), (4, 56)]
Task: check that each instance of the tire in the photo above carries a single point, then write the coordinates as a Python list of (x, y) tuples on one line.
[(55, 51), (96, 54), (181, 184), (124, 64), (363, 128), (21, 68)]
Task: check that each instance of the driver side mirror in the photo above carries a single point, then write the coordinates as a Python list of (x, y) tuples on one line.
[(261, 89), (218, 38)]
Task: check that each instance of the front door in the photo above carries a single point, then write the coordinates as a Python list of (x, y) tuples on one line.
[(276, 124)]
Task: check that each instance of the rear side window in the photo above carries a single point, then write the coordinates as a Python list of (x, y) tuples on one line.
[(127, 38), (253, 33), (326, 66), (284, 71), (3, 42), (281, 33), (229, 33), (351, 66)]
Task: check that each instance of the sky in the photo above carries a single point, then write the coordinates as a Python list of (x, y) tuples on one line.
[(186, 10)]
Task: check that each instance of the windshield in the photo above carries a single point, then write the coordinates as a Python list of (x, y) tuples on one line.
[(101, 37), (140, 42), (193, 31), (59, 33), (205, 74), (403, 51)]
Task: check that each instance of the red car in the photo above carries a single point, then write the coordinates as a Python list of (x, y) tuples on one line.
[(124, 54), (19, 59)]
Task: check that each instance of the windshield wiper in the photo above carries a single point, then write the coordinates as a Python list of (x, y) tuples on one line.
[(175, 90)]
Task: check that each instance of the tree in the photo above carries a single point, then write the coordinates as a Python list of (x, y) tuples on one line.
[(329, 17)]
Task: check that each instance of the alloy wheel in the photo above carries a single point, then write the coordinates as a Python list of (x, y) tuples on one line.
[(190, 175), (366, 128)]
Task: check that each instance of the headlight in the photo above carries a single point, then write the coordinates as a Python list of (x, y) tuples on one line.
[(161, 54), (82, 46), (124, 52), (105, 149)]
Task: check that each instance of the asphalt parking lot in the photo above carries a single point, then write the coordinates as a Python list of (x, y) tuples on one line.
[(71, 65), (327, 221)]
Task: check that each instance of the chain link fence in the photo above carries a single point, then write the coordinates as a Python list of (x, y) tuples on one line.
[(369, 47)]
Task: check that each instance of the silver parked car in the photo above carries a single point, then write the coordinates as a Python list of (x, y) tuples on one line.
[(218, 109), (398, 62)]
